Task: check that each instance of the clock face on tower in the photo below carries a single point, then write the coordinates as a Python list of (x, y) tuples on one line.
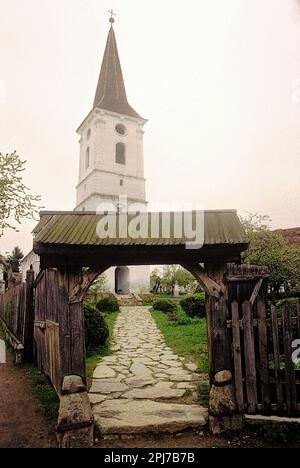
[(121, 129)]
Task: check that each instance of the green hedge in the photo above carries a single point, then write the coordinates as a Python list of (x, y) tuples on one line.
[(96, 330), (108, 304), (164, 305), (194, 306), (179, 317)]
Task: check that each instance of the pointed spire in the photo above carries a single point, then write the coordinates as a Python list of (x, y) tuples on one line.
[(111, 92)]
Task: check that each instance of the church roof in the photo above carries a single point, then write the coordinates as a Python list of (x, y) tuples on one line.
[(111, 92)]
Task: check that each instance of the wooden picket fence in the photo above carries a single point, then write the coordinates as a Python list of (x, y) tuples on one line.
[(267, 381), (17, 315), (12, 311)]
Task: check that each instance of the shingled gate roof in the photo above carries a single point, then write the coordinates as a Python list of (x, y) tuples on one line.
[(79, 228)]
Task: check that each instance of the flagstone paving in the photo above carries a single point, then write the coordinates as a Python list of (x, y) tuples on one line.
[(144, 373)]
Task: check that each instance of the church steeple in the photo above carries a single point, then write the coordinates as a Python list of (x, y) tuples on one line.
[(111, 141), (111, 92)]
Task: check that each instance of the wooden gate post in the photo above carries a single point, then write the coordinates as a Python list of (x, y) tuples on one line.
[(223, 410), (75, 423), (71, 324)]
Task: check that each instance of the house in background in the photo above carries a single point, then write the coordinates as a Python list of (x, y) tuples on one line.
[(3, 267)]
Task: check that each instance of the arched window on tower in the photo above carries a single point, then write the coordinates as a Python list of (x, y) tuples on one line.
[(120, 153), (87, 158)]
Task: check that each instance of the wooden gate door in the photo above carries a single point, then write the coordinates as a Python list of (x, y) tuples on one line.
[(267, 381), (59, 325), (46, 327)]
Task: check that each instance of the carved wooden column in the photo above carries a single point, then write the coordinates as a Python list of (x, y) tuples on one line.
[(223, 411), (71, 323), (75, 423)]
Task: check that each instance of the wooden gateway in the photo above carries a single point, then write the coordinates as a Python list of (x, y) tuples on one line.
[(247, 341), (73, 255)]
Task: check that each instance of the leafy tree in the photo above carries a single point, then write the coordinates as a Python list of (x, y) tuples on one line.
[(170, 275), (156, 279), (99, 286), (271, 249), (16, 202), (14, 259), (184, 278)]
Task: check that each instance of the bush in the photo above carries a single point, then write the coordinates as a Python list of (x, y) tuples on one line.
[(164, 305), (194, 306), (179, 317), (283, 295), (147, 299), (96, 330), (108, 304)]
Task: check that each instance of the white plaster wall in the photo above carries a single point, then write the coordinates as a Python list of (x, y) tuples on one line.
[(30, 259), (139, 278), (107, 184), (104, 174)]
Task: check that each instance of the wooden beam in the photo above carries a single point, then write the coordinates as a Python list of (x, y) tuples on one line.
[(79, 290), (211, 287), (245, 278), (256, 291), (93, 256)]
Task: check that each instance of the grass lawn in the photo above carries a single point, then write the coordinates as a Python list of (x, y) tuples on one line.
[(45, 393), (186, 340), (148, 299), (94, 357)]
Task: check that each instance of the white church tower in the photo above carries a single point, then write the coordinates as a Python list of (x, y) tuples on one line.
[(111, 157)]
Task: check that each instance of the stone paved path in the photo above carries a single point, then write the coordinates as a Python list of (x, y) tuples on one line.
[(138, 387)]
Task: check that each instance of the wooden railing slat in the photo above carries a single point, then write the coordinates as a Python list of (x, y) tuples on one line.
[(251, 380), (291, 396), (237, 356), (276, 351), (263, 355)]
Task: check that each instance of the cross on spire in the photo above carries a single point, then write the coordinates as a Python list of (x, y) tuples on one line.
[(112, 14)]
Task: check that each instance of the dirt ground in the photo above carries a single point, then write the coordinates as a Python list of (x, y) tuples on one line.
[(22, 424), (246, 439)]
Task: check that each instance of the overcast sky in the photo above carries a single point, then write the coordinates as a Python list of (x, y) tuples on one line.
[(218, 80)]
